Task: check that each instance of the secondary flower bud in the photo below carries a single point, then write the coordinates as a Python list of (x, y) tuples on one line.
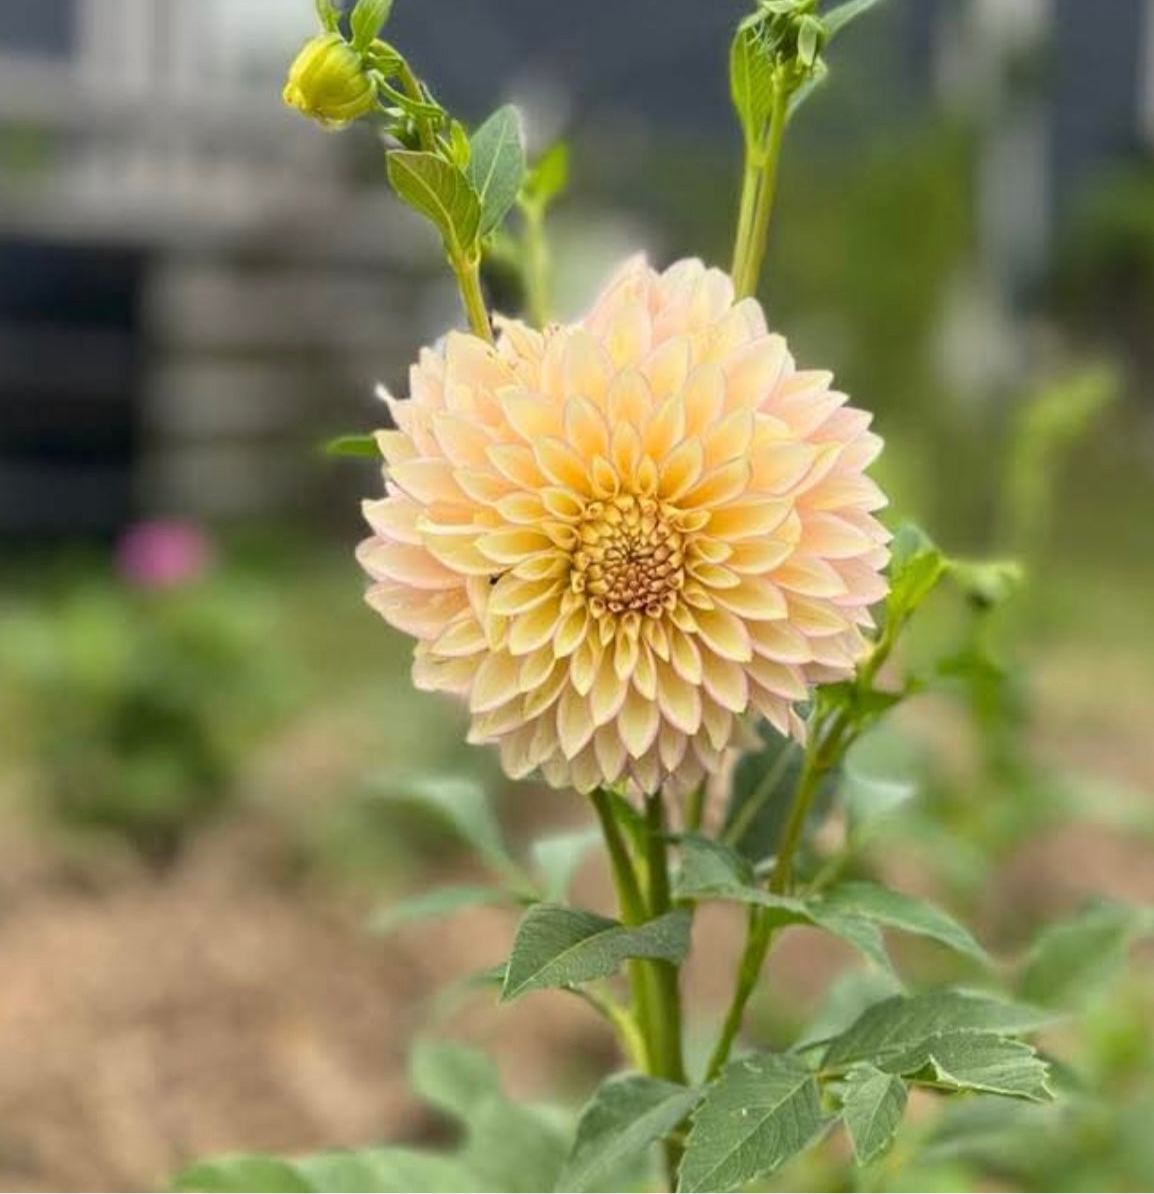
[(328, 82)]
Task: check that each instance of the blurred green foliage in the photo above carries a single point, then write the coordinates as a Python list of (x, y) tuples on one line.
[(137, 709)]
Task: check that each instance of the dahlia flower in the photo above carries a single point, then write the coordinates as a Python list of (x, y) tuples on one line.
[(617, 538)]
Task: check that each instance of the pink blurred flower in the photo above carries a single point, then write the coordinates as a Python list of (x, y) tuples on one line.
[(163, 554)]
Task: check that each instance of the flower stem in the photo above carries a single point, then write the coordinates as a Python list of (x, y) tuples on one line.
[(821, 754), (758, 192), (633, 912), (468, 271), (667, 1060)]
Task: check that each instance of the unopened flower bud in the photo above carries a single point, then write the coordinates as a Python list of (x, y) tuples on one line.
[(328, 82)]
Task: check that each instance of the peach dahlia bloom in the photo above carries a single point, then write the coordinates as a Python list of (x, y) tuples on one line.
[(618, 537)]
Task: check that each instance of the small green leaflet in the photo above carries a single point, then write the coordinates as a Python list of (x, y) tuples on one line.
[(978, 1061), (441, 193), (366, 21), (556, 859), (328, 16), (711, 871), (627, 1114), (751, 81), (363, 446), (1074, 958), (898, 911), (839, 18), (916, 567), (549, 176), (514, 1148), (452, 1077), (872, 1106), (559, 947), (497, 165), (762, 1111), (242, 1174), (384, 1170), (903, 1023), (461, 803), (868, 799), (429, 905)]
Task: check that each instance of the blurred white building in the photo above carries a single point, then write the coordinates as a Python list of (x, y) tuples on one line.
[(184, 264)]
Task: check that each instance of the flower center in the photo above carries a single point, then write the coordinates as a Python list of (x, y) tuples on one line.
[(630, 557)]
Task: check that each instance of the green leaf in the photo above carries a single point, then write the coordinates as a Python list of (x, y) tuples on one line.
[(873, 1103), (461, 803), (354, 445), (898, 911), (978, 1061), (241, 1174), (452, 1077), (759, 795), (762, 1111), (441, 193), (429, 905), (514, 1148), (711, 871), (556, 859), (751, 84), (869, 799), (380, 1170), (901, 1023), (916, 567), (817, 76), (839, 18), (559, 947), (809, 36), (328, 15), (627, 1114), (497, 165), (709, 867), (367, 20), (847, 997), (549, 176), (1071, 960)]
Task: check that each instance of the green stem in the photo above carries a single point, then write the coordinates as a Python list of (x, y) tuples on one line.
[(758, 192), (781, 881), (695, 809), (667, 1059), (758, 937), (538, 300), (468, 271), (412, 86), (633, 912), (822, 751)]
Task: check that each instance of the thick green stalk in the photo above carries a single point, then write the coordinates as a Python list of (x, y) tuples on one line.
[(758, 193), (667, 1058), (633, 912)]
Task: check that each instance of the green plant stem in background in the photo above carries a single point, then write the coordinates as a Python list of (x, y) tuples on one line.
[(823, 752), (538, 279), (758, 192), (468, 272)]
